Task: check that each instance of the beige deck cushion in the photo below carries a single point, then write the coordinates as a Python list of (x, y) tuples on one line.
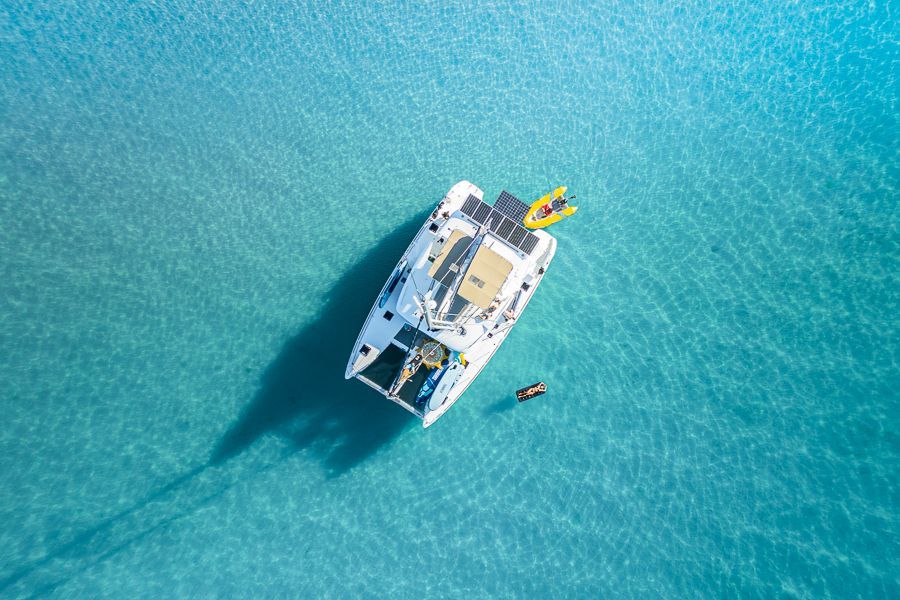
[(456, 236), (485, 277)]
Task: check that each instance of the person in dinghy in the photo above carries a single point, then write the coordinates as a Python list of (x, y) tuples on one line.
[(549, 209)]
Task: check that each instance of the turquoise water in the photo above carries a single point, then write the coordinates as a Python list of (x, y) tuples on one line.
[(199, 202)]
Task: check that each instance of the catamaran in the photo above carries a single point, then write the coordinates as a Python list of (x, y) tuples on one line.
[(454, 297)]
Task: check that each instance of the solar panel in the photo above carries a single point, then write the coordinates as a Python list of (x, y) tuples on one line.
[(506, 226), (505, 229), (470, 205), (482, 213), (516, 237), (511, 206), (529, 243)]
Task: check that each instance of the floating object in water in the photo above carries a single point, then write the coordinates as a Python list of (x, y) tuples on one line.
[(532, 391), (549, 209)]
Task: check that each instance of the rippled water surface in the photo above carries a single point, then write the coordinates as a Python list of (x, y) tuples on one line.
[(199, 202)]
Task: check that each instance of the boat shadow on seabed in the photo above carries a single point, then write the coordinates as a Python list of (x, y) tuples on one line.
[(304, 396)]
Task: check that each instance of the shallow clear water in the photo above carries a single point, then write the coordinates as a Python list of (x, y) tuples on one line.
[(198, 203)]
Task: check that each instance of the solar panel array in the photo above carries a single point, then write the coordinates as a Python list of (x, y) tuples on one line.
[(511, 206), (499, 223)]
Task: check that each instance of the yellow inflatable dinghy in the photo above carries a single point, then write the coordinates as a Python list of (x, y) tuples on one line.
[(549, 209)]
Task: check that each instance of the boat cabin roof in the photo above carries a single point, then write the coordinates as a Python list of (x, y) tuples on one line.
[(484, 277), (446, 264)]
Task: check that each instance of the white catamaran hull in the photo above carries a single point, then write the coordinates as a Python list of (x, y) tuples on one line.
[(452, 305)]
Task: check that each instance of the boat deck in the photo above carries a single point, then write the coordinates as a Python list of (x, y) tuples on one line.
[(490, 262), (383, 373), (384, 370)]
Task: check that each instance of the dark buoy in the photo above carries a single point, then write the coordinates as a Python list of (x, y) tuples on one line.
[(532, 391)]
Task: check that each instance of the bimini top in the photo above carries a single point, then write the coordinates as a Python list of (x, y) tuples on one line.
[(484, 277)]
